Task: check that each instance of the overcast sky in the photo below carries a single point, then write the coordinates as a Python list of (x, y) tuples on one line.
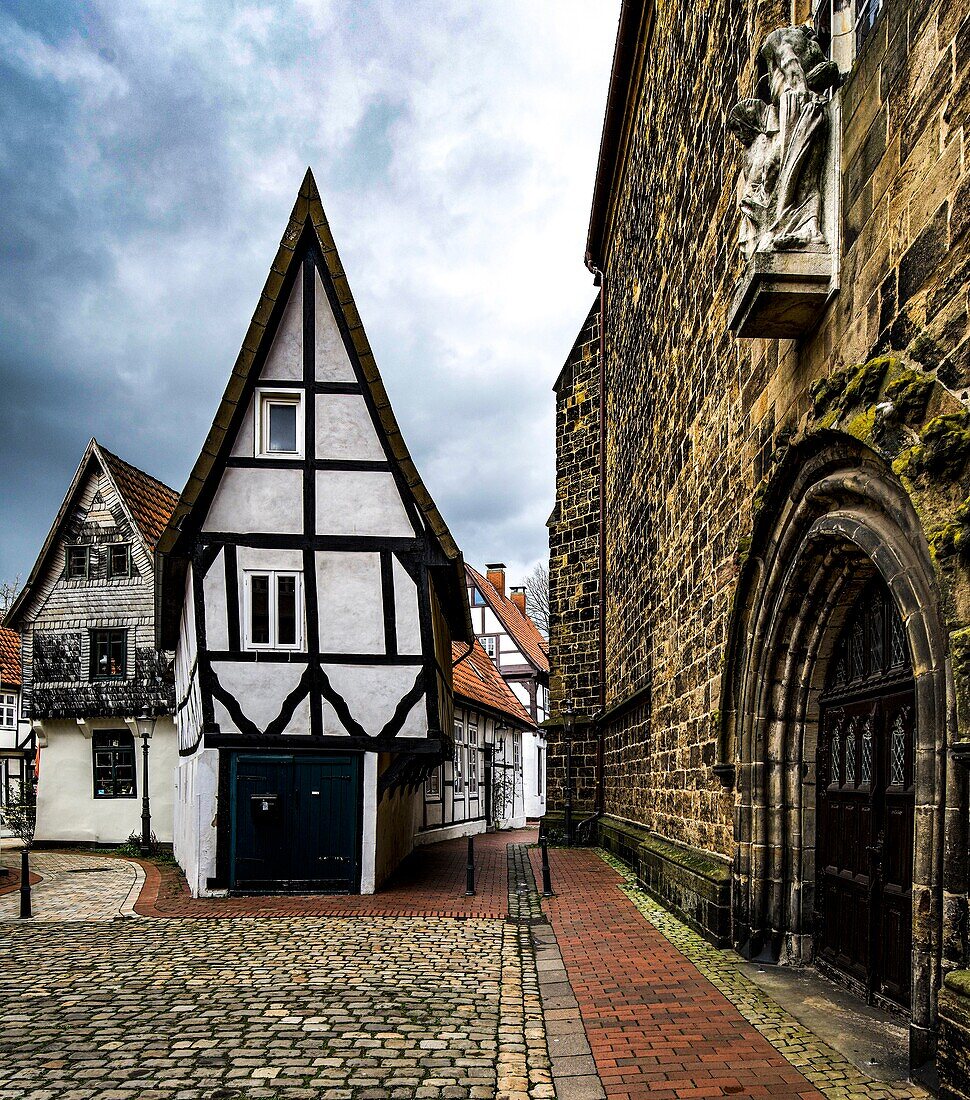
[(150, 154)]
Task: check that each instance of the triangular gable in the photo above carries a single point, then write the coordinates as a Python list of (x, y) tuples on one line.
[(520, 628), (147, 504), (267, 331)]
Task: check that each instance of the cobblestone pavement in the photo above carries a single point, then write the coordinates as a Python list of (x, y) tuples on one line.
[(668, 1015), (75, 886)]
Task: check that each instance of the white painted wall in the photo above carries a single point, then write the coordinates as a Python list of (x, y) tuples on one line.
[(258, 500), (359, 502), (197, 782), (368, 847), (67, 810), (372, 693), (534, 766)]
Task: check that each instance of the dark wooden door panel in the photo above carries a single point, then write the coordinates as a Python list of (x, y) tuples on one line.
[(295, 825)]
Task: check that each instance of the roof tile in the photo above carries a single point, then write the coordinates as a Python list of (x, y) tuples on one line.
[(479, 681), (10, 671), (150, 501), (523, 630)]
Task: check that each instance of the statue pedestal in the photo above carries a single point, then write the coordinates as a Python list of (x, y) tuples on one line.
[(782, 294)]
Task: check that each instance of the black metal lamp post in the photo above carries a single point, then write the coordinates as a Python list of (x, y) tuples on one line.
[(146, 727), (26, 782), (569, 726)]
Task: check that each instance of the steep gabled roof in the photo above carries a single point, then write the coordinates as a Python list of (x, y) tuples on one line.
[(308, 217), (10, 671), (148, 504), (149, 500), (478, 682), (522, 629)]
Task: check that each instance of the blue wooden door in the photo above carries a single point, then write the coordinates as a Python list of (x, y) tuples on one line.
[(295, 823)]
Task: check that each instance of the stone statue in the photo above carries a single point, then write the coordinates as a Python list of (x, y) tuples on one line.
[(785, 145)]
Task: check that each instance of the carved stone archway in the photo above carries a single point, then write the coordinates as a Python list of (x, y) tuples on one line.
[(835, 516)]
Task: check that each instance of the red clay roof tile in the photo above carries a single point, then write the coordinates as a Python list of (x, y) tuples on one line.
[(478, 681)]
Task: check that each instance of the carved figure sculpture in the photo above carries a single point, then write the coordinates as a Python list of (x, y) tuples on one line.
[(785, 145)]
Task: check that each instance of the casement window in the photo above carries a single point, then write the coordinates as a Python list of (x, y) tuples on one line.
[(8, 710), (459, 781), (472, 762), (432, 785), (490, 644), (279, 423), (119, 560), (273, 609), (109, 654), (114, 764), (517, 753), (78, 563)]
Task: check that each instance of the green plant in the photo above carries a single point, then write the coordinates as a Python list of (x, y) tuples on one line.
[(19, 814)]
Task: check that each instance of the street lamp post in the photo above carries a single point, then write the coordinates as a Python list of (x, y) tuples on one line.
[(569, 725), (146, 727)]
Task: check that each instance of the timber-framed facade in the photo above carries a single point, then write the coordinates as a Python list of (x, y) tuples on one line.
[(312, 592)]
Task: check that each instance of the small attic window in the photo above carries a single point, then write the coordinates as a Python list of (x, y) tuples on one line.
[(78, 562), (119, 560), (279, 424)]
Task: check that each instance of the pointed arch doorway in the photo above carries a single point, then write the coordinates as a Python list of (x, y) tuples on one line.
[(866, 802)]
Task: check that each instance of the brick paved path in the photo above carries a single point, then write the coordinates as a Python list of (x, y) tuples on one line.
[(667, 1015), (431, 883)]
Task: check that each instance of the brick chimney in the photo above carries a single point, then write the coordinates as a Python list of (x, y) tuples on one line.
[(496, 576), (517, 596)]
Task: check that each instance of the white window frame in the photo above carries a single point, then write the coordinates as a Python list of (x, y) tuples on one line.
[(265, 398), (472, 761), (274, 575), (493, 640), (8, 707), (458, 768)]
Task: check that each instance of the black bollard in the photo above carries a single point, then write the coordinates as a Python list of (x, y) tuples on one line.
[(547, 891), (24, 885), (470, 869)]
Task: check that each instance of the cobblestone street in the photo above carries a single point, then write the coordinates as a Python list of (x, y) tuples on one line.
[(252, 998)]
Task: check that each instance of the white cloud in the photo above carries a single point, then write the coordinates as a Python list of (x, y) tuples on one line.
[(454, 146)]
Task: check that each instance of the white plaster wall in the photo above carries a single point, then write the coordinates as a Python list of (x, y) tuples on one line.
[(251, 557), (406, 611), (66, 807), (258, 500), (244, 445), (197, 782), (216, 618), (331, 359), (285, 359), (188, 697), (368, 845), (260, 688), (359, 502), (350, 602), (535, 804), (372, 693), (344, 428)]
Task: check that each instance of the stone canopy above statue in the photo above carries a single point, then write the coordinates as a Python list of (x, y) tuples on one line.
[(788, 196)]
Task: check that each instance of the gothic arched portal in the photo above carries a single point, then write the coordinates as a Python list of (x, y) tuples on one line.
[(836, 525)]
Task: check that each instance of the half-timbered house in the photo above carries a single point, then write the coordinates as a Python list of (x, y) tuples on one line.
[(11, 748), (312, 591), (481, 785), (86, 618), (521, 655)]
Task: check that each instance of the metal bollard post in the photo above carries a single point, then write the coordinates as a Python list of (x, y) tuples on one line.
[(470, 869), (24, 885), (547, 891)]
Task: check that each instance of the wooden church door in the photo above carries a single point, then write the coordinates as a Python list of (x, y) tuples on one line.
[(866, 799)]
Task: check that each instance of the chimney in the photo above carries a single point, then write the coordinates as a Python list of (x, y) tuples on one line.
[(496, 576), (518, 598)]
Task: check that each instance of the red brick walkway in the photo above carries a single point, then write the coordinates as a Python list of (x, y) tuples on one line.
[(430, 883), (656, 1026)]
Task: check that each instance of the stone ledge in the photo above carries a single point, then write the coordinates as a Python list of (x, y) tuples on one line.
[(782, 294), (953, 1047), (693, 885)]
